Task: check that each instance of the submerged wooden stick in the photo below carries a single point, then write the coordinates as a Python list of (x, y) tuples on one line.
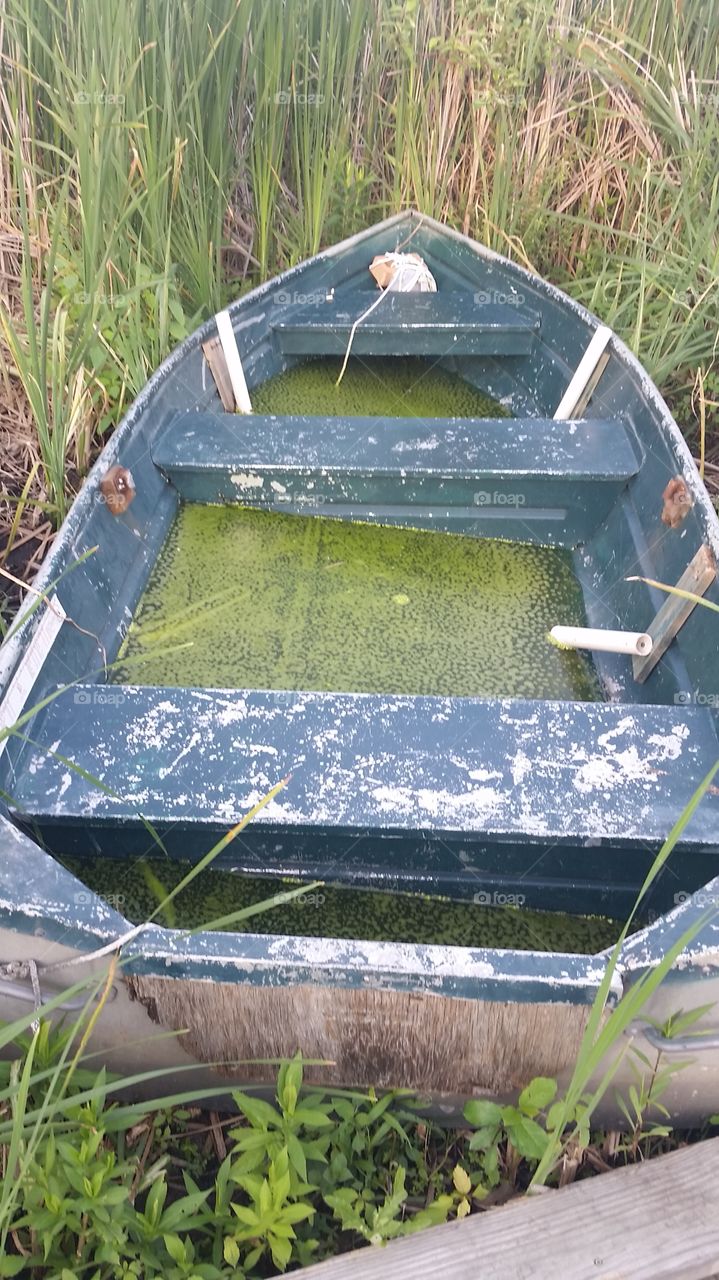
[(696, 579)]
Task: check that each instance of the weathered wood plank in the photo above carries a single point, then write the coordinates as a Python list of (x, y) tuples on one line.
[(605, 776), (591, 386), (389, 1038), (295, 445), (697, 578), (216, 363), (656, 1221)]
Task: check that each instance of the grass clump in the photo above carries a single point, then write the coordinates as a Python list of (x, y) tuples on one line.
[(165, 1189)]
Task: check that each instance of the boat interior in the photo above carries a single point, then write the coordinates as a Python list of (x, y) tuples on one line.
[(358, 601)]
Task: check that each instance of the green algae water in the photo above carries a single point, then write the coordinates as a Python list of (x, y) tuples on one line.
[(395, 387), (272, 601), (360, 914)]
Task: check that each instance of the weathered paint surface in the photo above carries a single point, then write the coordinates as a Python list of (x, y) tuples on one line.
[(478, 995), (56, 907), (407, 324), (477, 765), (541, 480), (455, 812)]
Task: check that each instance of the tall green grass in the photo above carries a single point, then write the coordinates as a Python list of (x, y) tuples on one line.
[(579, 137), (119, 169)]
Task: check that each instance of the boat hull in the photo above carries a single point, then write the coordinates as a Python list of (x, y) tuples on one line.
[(586, 792)]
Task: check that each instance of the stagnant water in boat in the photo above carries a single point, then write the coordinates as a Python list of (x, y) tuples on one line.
[(138, 888), (393, 387), (271, 601)]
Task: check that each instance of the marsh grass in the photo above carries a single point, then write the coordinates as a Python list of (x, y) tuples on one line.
[(117, 172)]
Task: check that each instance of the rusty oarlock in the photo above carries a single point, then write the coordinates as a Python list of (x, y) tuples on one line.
[(677, 502), (118, 489)]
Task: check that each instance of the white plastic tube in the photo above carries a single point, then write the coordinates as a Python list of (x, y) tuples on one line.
[(226, 335), (631, 642)]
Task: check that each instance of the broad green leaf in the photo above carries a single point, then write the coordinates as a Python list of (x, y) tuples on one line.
[(297, 1156), (297, 1212), (260, 1114), (313, 1118), (175, 1247), (529, 1138), (230, 1251), (482, 1112), (538, 1094)]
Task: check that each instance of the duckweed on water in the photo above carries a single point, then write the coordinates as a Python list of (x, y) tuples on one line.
[(367, 915), (395, 387), (272, 601)]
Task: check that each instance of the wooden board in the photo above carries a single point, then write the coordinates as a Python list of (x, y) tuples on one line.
[(656, 1221), (591, 386), (472, 448), (215, 357), (697, 578), (388, 1038), (464, 474)]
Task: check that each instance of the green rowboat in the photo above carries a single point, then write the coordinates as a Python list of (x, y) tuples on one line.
[(348, 591)]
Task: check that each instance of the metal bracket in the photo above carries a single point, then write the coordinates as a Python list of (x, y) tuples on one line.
[(696, 1043), (21, 980)]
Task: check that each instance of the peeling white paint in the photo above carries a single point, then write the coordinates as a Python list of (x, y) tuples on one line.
[(521, 766), (167, 769), (483, 775), (670, 744), (611, 773)]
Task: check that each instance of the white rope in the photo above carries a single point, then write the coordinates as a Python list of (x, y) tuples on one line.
[(353, 330), (101, 951), (419, 270)]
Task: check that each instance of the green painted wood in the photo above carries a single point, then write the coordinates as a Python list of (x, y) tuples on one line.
[(475, 448), (101, 594), (482, 802), (437, 324), (554, 481), (55, 907)]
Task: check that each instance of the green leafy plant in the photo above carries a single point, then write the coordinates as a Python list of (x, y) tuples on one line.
[(514, 1127), (381, 1222), (268, 1221)]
